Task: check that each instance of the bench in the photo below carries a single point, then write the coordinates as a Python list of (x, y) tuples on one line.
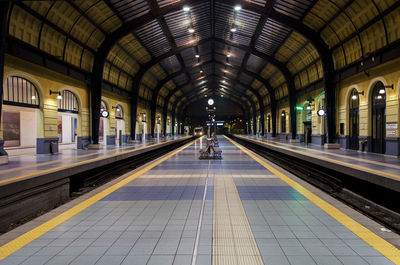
[(204, 153), (217, 153)]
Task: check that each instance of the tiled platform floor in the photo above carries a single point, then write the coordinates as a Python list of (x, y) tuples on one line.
[(383, 163), (248, 216), (27, 164)]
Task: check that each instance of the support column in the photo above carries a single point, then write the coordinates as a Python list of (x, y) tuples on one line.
[(3, 45), (165, 120), (293, 119), (153, 110), (262, 116), (173, 124), (133, 107), (273, 117), (330, 102), (255, 123)]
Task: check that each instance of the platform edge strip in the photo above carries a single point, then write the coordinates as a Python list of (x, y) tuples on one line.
[(329, 159)]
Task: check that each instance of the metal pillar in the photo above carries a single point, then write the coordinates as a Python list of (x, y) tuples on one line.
[(133, 108), (3, 46)]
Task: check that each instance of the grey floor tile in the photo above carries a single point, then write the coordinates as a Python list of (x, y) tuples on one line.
[(203, 260), (118, 250), (26, 251), (85, 260), (94, 251), (378, 261), (327, 260), (294, 251), (161, 260), (301, 260), (346, 260), (110, 260), (275, 260), (136, 260), (13, 260), (36, 260), (61, 260), (182, 260)]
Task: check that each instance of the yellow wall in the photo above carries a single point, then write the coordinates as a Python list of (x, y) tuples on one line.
[(113, 100), (46, 80), (388, 73)]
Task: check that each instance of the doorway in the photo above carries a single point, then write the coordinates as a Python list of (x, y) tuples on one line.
[(378, 116), (67, 128), (354, 119), (307, 132)]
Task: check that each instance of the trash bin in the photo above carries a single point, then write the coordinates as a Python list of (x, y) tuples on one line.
[(53, 147), (363, 144)]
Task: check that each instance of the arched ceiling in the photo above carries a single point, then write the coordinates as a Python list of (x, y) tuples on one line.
[(151, 45)]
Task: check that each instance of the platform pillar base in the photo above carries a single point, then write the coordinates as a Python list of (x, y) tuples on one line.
[(95, 146), (331, 146), (294, 141), (3, 160)]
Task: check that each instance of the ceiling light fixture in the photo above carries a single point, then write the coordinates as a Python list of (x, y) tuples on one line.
[(233, 29), (197, 56), (191, 30), (238, 7), (228, 55), (201, 71), (186, 8)]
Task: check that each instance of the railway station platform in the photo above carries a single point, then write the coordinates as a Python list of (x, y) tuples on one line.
[(379, 169), (24, 166), (182, 210)]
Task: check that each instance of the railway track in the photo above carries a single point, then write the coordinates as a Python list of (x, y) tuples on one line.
[(379, 203), (86, 181)]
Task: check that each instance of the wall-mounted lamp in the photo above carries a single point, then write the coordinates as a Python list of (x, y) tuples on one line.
[(355, 96), (391, 86), (117, 108), (143, 117), (56, 92)]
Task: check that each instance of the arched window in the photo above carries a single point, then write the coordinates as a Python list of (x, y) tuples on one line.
[(119, 112), (103, 106), (378, 118), (68, 102), (20, 92), (354, 103), (283, 121)]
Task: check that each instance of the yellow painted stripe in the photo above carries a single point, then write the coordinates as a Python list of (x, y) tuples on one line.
[(35, 233), (332, 154), (378, 243), (330, 159), (68, 165)]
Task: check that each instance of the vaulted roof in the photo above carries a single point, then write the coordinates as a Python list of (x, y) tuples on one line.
[(172, 51)]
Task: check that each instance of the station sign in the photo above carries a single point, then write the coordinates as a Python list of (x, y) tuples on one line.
[(299, 108)]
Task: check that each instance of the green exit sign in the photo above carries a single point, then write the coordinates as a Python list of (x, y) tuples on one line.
[(299, 108)]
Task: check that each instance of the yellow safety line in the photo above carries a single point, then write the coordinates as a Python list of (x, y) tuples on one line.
[(330, 159), (378, 243), (332, 154), (23, 240), (69, 165)]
